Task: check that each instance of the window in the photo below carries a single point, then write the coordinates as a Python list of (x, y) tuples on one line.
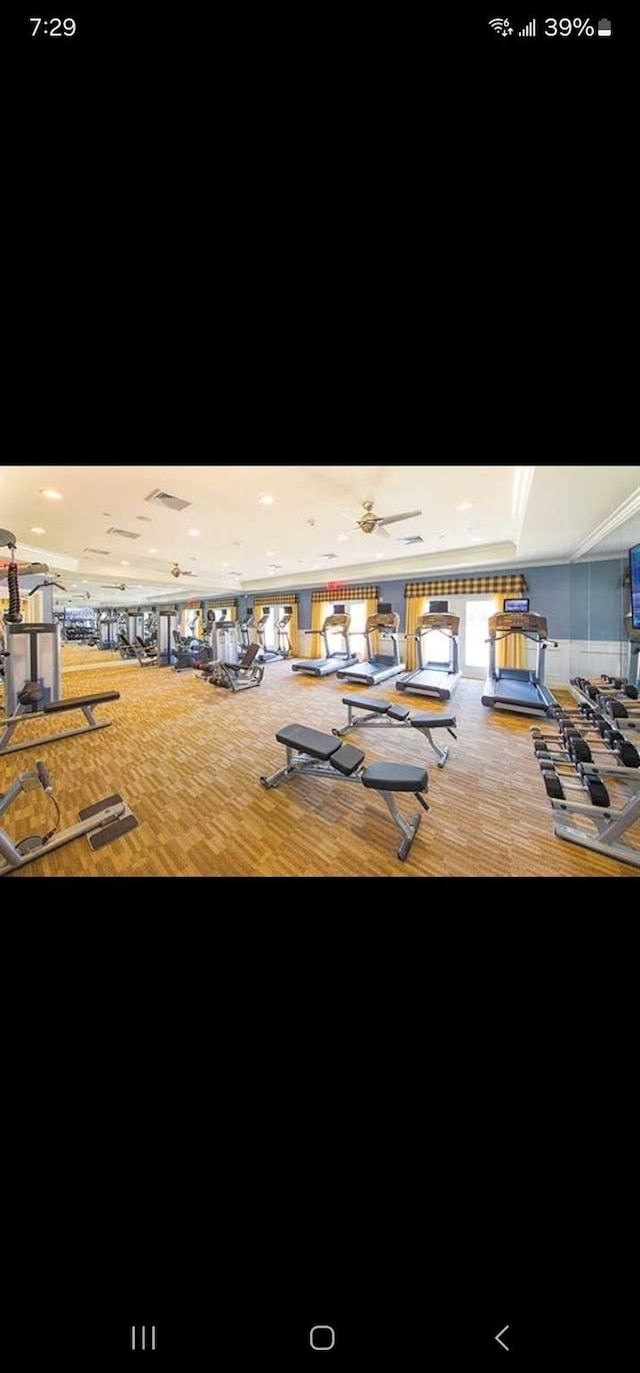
[(476, 632)]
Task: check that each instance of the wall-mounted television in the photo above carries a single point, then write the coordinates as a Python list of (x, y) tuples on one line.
[(634, 573), (385, 608), (517, 606)]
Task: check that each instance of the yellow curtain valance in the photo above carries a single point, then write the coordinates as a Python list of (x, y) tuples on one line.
[(337, 595), (222, 603), (276, 598), (511, 584)]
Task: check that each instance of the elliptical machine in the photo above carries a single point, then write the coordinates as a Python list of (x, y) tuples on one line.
[(266, 655)]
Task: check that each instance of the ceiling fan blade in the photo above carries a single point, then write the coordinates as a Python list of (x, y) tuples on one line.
[(408, 515), (382, 533)]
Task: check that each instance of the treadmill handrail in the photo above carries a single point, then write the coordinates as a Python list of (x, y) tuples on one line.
[(526, 634)]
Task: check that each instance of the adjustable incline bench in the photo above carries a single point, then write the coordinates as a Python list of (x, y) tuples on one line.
[(388, 713), (33, 696), (308, 750)]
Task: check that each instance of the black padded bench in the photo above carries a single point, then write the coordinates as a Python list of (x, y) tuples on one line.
[(380, 713), (310, 750), (84, 703)]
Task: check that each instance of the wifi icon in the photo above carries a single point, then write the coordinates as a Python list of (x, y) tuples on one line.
[(501, 27)]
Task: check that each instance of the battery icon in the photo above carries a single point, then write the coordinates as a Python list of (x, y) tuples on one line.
[(604, 28)]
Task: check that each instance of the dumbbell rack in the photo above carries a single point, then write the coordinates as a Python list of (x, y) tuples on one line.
[(575, 750)]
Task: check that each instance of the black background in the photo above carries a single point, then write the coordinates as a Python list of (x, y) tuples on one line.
[(303, 232)]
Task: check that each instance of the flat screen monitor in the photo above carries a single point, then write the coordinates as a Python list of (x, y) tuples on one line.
[(338, 610), (438, 607), (385, 608), (517, 606), (634, 572)]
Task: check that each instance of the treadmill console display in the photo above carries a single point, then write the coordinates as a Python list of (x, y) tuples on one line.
[(516, 605), (338, 610), (430, 621), (502, 623), (382, 620)]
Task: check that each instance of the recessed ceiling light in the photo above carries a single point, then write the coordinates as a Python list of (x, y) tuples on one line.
[(51, 495), (108, 514), (152, 550), (194, 533), (475, 539), (379, 555), (465, 505), (342, 538), (271, 553), (225, 564), (266, 500), (125, 564), (36, 529)]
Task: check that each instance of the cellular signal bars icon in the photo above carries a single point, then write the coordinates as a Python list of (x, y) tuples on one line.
[(529, 30)]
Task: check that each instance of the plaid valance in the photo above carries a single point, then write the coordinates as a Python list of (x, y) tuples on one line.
[(221, 603), (338, 594), (276, 598), (512, 584)]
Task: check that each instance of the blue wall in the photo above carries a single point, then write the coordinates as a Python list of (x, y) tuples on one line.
[(579, 600)]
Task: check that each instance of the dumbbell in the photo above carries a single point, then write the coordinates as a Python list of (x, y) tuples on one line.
[(601, 729), (620, 710), (557, 785), (581, 752), (621, 684)]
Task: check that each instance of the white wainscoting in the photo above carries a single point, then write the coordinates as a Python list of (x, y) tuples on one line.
[(580, 658)]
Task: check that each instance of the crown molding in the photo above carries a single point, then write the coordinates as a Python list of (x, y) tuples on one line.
[(619, 516)]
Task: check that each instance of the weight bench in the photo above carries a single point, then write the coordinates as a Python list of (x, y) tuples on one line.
[(84, 703), (309, 750), (389, 713)]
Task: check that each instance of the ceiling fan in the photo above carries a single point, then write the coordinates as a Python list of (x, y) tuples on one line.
[(370, 523), (176, 571), (47, 582), (120, 587)]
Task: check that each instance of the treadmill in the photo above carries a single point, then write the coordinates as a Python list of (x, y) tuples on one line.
[(518, 689), (378, 666), (437, 678), (338, 623)]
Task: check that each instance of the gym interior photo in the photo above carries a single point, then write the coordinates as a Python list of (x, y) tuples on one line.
[(320, 671)]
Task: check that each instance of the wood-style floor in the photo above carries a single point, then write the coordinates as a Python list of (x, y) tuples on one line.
[(187, 758)]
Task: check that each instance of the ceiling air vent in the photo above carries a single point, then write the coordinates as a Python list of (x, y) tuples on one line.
[(123, 533), (100, 552), (146, 519), (170, 502), (413, 538)]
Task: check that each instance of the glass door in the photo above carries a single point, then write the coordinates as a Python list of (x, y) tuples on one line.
[(473, 648)]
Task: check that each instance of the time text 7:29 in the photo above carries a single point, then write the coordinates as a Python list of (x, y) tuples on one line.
[(54, 28)]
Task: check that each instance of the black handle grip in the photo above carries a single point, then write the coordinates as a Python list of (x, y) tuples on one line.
[(43, 774)]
